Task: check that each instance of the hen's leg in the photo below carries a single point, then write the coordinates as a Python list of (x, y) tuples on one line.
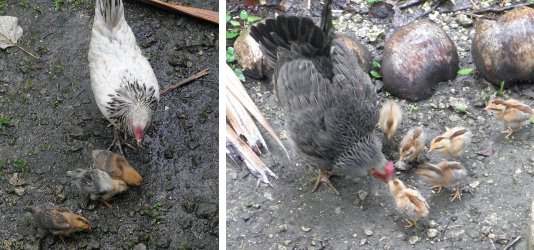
[(324, 176), (118, 141)]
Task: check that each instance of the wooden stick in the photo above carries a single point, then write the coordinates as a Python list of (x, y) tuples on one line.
[(206, 15), (187, 80), (512, 243), (501, 9)]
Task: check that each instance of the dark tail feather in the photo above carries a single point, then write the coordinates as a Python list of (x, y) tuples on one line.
[(326, 17)]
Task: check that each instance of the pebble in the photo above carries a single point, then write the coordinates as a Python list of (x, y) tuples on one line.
[(287, 242), (362, 194), (490, 181), (363, 242), (139, 246), (305, 229), (414, 239), (282, 228), (457, 235), (432, 224), (474, 184), (502, 239), (16, 181), (431, 233), (464, 20), (368, 232), (20, 191)]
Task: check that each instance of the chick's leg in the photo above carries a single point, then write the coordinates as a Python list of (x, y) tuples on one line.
[(324, 176), (410, 223), (456, 194), (438, 187), (508, 132), (106, 203), (118, 141)]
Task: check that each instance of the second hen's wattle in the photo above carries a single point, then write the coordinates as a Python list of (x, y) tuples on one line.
[(124, 85), (330, 105)]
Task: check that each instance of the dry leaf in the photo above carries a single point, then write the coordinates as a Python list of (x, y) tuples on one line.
[(10, 32)]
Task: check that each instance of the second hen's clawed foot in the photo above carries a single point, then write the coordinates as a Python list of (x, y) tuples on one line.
[(456, 194), (324, 177), (410, 223), (118, 142)]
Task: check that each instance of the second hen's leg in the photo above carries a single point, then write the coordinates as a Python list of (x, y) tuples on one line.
[(456, 194), (324, 177), (118, 141)]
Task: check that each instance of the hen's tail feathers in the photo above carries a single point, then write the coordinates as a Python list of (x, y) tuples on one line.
[(109, 12), (290, 33), (326, 17)]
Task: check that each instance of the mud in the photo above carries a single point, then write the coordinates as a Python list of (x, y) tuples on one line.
[(53, 115)]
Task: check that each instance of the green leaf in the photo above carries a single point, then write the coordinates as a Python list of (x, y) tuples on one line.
[(239, 73), (501, 89), (4, 121), (460, 108), (253, 19), (376, 64), (235, 23), (230, 55), (373, 1), (231, 34), (466, 71), (375, 74), (243, 14), (228, 16)]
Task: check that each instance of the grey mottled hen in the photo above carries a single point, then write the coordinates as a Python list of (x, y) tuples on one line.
[(330, 104)]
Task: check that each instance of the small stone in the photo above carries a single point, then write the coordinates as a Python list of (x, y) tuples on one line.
[(287, 242), (490, 181), (189, 64), (139, 246), (305, 229), (354, 235), (491, 236), (463, 20), (337, 210), (363, 242), (362, 194), (20, 191), (413, 239), (368, 232), (256, 206), (486, 230), (502, 239), (458, 235), (282, 228), (431, 233), (474, 184), (432, 224)]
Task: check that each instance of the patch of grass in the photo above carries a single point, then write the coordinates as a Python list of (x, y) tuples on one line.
[(21, 165), (28, 85), (375, 74), (185, 246), (460, 108), (155, 212), (32, 152), (24, 3), (466, 71), (415, 108), (76, 3), (45, 147), (2, 5), (26, 66), (58, 4), (4, 121), (38, 9)]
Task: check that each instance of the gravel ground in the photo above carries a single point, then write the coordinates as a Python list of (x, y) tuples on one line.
[(53, 115), (497, 192)]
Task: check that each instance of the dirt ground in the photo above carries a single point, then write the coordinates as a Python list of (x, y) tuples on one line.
[(496, 193), (52, 115)]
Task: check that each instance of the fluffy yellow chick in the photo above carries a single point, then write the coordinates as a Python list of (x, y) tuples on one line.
[(452, 142), (412, 145), (390, 118), (443, 174), (511, 113), (409, 202)]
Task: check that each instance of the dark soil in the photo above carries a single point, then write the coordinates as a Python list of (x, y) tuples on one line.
[(53, 115), (496, 193)]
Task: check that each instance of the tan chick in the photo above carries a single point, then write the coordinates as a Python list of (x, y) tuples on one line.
[(443, 174), (412, 145), (512, 113), (59, 221), (390, 118), (452, 142), (409, 202), (116, 166)]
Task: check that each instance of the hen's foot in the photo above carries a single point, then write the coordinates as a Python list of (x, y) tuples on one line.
[(324, 176), (118, 141), (410, 223), (456, 194)]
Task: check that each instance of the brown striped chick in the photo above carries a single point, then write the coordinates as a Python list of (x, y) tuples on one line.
[(443, 174), (412, 145), (409, 202), (512, 113), (59, 221), (452, 142), (116, 166), (390, 118)]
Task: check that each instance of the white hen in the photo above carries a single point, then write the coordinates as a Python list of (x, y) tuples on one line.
[(123, 82)]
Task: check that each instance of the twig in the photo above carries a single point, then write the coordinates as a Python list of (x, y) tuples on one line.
[(401, 6), (206, 15), (187, 80), (501, 9), (27, 52), (512, 243), (436, 5)]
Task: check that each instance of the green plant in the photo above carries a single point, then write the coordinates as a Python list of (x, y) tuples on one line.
[(230, 55), (460, 108), (155, 212), (373, 1), (185, 246), (4, 121), (375, 74), (239, 23), (500, 92), (532, 120), (376, 64), (466, 71), (24, 3), (2, 4), (22, 165), (76, 3), (57, 4), (28, 85), (415, 108), (38, 9)]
